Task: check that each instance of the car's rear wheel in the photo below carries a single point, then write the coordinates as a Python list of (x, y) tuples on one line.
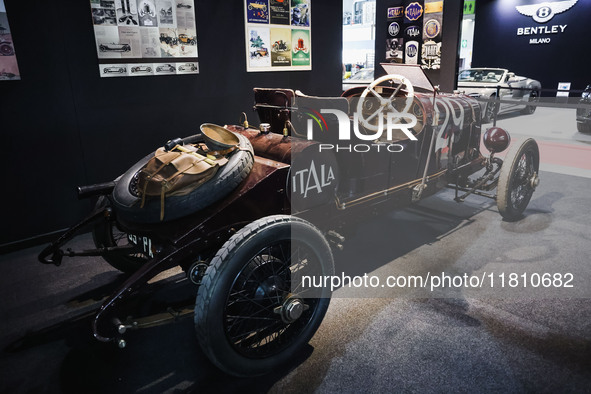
[(105, 234), (518, 179), (250, 314), (533, 97), (584, 127)]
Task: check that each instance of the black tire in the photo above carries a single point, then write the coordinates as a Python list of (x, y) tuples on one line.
[(518, 179), (530, 109), (247, 285), (127, 202), (105, 234), (584, 127), (490, 110)]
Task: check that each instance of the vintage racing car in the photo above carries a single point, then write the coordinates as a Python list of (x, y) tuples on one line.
[(503, 90), (274, 211)]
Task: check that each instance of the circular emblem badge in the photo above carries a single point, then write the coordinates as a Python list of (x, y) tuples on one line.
[(393, 29), (411, 50), (432, 28)]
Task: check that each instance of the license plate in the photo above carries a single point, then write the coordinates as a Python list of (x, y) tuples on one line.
[(143, 243)]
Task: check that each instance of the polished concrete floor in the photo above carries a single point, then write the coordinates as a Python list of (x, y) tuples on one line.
[(393, 343)]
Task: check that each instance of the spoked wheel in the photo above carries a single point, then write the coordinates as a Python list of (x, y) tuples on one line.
[(106, 234), (373, 107), (518, 179), (251, 312), (530, 109)]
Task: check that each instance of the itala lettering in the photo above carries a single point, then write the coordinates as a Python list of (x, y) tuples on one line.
[(310, 180), (529, 31)]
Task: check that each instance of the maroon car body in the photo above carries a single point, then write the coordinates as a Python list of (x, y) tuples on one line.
[(446, 153)]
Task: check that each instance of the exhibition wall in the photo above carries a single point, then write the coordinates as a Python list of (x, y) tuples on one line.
[(550, 51), (63, 125)]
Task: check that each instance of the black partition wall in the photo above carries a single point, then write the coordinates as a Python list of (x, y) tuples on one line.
[(446, 76), (538, 39), (62, 125)]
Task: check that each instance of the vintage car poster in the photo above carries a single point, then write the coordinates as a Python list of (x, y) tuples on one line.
[(142, 37), (432, 31), (280, 47), (166, 10), (279, 12), (257, 11), (147, 13), (8, 64), (300, 13), (278, 35), (300, 44), (260, 39)]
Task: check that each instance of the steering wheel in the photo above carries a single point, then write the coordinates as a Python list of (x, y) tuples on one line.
[(385, 103)]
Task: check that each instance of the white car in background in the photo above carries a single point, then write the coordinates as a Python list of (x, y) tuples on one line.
[(515, 92)]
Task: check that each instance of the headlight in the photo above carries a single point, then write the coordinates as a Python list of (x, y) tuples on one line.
[(585, 94)]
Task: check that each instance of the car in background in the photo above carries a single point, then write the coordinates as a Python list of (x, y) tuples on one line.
[(113, 46), (142, 69), (185, 39), (363, 77), (188, 67), (114, 69), (489, 84), (165, 68), (584, 114)]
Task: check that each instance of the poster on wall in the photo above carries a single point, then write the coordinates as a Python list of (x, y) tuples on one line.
[(8, 64), (432, 28), (145, 37), (278, 35)]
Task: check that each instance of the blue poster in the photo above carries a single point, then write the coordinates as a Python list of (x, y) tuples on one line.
[(257, 11)]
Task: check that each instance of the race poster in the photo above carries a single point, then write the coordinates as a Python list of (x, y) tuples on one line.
[(395, 33), (280, 47), (432, 30), (300, 44), (260, 40), (279, 11), (145, 37), (8, 64), (257, 11), (278, 35)]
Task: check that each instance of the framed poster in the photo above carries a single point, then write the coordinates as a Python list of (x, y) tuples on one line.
[(145, 37), (8, 64), (278, 35)]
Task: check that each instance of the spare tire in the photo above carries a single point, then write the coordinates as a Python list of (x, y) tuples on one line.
[(127, 201)]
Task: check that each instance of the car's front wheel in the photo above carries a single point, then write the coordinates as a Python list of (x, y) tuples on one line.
[(490, 110), (518, 179), (251, 312)]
